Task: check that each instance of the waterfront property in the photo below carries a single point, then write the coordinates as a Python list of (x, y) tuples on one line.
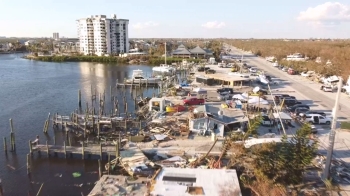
[(100, 35), (211, 118), (197, 52), (186, 181)]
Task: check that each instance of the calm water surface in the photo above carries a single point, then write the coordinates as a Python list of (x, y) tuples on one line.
[(29, 90)]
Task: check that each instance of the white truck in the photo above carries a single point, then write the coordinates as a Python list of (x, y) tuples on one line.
[(317, 119)]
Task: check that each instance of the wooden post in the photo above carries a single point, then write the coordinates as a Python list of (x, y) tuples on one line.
[(30, 148), (85, 129), (28, 164), (98, 129), (47, 150), (12, 137), (99, 169), (140, 124), (69, 140), (101, 158), (109, 163), (5, 145), (54, 140), (65, 149), (117, 150), (110, 91), (45, 124), (82, 150), (79, 98), (146, 83)]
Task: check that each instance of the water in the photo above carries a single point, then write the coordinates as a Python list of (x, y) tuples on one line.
[(29, 90)]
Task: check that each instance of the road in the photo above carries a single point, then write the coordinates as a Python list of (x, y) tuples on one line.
[(305, 87)]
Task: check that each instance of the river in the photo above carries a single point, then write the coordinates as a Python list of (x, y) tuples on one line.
[(29, 90)]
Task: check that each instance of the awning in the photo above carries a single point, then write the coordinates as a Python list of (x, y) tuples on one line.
[(283, 116)]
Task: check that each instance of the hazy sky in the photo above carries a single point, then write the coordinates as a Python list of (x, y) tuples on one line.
[(183, 18)]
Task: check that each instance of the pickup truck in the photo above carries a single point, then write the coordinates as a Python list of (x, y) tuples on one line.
[(194, 101)]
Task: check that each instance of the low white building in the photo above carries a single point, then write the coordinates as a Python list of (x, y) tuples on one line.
[(5, 47), (29, 42), (195, 181)]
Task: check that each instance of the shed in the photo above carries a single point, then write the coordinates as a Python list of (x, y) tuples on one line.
[(157, 104)]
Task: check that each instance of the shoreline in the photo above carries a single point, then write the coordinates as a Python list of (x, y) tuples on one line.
[(151, 60)]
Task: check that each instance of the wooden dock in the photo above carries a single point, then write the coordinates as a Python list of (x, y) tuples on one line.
[(95, 151)]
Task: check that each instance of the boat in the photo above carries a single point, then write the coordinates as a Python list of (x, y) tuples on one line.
[(138, 77), (295, 57), (163, 68), (262, 79)]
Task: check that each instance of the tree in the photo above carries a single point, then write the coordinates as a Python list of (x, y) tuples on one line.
[(286, 162)]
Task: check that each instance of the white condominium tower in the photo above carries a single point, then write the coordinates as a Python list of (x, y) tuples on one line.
[(100, 35)]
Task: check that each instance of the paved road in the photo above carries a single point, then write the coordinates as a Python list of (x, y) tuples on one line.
[(303, 86)]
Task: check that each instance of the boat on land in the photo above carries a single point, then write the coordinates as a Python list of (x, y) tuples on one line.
[(138, 77)]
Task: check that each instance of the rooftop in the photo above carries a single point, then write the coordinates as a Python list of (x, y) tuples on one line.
[(118, 185), (230, 115), (186, 182)]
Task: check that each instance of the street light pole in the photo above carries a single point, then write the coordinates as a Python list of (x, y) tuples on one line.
[(332, 132)]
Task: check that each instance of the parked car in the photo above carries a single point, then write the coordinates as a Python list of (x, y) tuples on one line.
[(292, 108), (224, 97), (279, 97), (290, 102), (194, 101), (300, 110), (253, 70), (305, 74), (327, 88), (200, 69), (222, 90), (313, 112), (317, 119), (210, 71)]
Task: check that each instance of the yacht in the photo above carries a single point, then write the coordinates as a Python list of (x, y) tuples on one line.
[(163, 68), (295, 57), (138, 77), (262, 79)]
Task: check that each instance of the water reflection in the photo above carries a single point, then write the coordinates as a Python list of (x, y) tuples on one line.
[(29, 90)]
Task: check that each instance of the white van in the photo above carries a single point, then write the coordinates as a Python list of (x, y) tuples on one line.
[(317, 119)]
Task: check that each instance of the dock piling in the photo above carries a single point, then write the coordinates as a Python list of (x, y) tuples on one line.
[(82, 150), (109, 166), (65, 149), (5, 145), (79, 98), (99, 169), (12, 137), (28, 164), (54, 140), (47, 149), (30, 147), (101, 157)]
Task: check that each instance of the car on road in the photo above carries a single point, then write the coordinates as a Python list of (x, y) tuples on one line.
[(225, 90)]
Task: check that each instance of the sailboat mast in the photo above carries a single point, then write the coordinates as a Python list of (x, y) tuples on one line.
[(165, 52)]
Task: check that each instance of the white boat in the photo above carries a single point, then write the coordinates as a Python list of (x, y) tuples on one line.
[(164, 69), (138, 77), (262, 79), (295, 57)]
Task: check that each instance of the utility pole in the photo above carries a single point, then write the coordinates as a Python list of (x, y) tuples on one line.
[(332, 133)]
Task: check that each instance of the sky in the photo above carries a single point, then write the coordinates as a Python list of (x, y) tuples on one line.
[(182, 18)]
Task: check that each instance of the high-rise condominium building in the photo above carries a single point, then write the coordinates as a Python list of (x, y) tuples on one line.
[(100, 35), (56, 36)]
